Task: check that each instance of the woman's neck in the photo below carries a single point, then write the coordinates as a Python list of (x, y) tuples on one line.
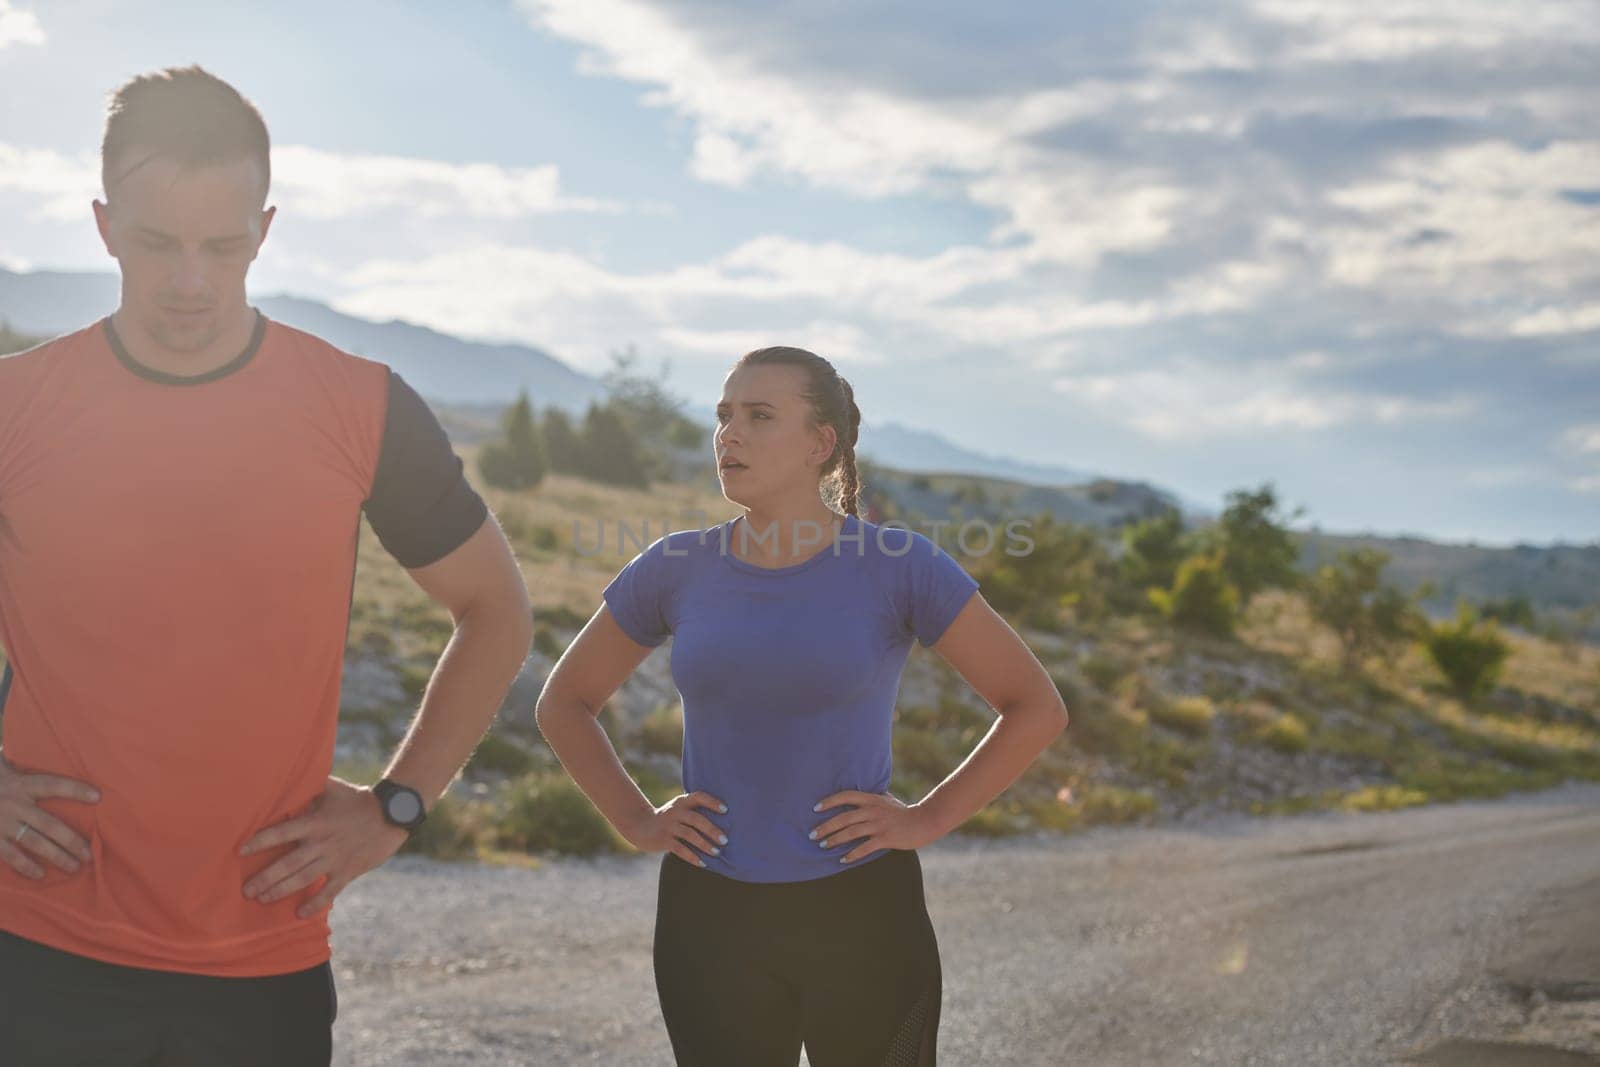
[(779, 539)]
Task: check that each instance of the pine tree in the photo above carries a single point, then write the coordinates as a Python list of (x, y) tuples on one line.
[(517, 460), (562, 446), (610, 451)]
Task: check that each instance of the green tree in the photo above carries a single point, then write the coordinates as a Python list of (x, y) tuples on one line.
[(610, 451), (1153, 549), (651, 412), (1258, 551), (1512, 611), (563, 448), (1369, 617), (1066, 572), (1469, 652), (516, 461), (1201, 598)]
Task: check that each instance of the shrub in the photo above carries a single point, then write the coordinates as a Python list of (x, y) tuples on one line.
[(1350, 598), (448, 833), (1153, 550), (1192, 715), (547, 812), (993, 821), (1468, 653), (498, 755), (1201, 598), (1257, 549), (920, 754), (1105, 669), (1286, 734)]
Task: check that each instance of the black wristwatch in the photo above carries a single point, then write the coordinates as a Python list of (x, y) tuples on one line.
[(401, 805)]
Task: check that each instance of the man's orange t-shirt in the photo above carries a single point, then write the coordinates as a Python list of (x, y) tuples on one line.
[(176, 566)]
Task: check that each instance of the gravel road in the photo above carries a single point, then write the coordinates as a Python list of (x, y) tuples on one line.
[(1319, 939)]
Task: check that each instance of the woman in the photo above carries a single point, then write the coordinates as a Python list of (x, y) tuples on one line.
[(790, 906)]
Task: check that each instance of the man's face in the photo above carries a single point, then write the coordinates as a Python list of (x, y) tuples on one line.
[(185, 238)]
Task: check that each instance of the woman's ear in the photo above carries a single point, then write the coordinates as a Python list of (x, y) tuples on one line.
[(828, 439)]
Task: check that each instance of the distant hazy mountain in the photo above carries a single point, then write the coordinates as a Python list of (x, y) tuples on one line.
[(899, 446), (438, 366), (908, 449)]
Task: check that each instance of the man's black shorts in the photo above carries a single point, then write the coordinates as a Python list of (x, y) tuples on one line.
[(58, 1009)]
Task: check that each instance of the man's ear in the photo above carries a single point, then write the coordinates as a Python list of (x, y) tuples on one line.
[(102, 222), (266, 223)]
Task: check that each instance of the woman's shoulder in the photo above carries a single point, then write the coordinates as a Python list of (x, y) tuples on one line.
[(888, 541)]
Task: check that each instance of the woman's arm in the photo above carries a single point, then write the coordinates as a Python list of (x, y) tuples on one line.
[(994, 660), (593, 667), (986, 651)]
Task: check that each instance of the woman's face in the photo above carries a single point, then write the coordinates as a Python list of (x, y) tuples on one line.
[(763, 423)]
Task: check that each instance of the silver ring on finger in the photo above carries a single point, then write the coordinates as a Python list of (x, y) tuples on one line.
[(24, 828)]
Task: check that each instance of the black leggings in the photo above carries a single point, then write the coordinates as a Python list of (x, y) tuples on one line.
[(846, 964), (58, 1009)]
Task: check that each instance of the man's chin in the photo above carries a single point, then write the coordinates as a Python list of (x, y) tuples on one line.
[(194, 336)]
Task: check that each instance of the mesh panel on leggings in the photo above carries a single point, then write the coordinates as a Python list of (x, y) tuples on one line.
[(913, 1044)]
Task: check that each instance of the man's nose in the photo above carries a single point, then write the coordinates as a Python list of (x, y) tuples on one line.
[(189, 275)]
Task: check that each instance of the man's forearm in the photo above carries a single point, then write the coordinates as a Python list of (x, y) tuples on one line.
[(467, 688)]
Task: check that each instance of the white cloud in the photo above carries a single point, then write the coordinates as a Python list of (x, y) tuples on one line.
[(1359, 30), (1584, 439), (1557, 320), (19, 27), (63, 184), (1195, 402), (842, 343), (326, 185)]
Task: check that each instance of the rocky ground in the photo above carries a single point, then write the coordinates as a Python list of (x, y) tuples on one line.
[(1461, 933)]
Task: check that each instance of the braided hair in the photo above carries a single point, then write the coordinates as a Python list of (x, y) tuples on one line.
[(833, 403)]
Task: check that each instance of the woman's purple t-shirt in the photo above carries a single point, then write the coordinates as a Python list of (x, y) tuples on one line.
[(788, 675)]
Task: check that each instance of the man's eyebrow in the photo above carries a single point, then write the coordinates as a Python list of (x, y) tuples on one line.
[(151, 231), (748, 404)]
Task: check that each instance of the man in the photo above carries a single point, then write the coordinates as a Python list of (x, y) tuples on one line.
[(181, 487)]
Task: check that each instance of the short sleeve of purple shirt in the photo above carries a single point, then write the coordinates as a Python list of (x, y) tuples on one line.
[(635, 595), (788, 675)]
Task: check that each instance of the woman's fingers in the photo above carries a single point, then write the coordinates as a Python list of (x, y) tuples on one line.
[(706, 800), (18, 861), (841, 822), (685, 853), (865, 848), (711, 830), (695, 839)]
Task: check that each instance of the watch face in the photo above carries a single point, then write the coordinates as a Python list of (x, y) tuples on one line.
[(403, 807)]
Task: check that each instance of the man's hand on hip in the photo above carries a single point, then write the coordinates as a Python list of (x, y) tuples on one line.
[(342, 836), (30, 832)]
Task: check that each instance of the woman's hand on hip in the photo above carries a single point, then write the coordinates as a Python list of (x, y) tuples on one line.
[(877, 821), (679, 827)]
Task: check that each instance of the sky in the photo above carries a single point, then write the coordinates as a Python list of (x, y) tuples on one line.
[(1352, 249)]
